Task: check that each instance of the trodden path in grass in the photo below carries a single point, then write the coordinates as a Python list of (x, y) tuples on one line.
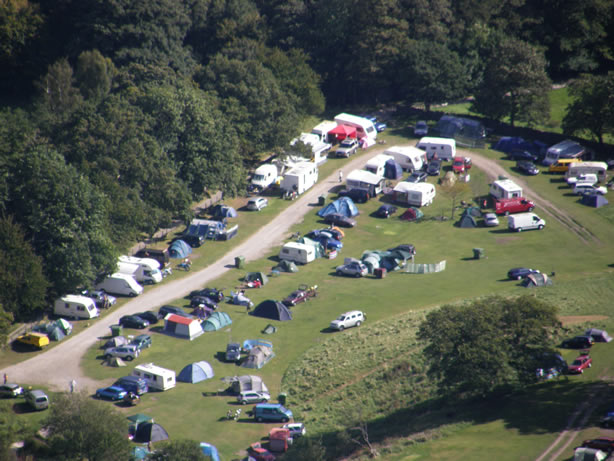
[(56, 367)]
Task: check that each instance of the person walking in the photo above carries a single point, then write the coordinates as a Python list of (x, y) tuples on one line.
[(6, 378), (340, 176)]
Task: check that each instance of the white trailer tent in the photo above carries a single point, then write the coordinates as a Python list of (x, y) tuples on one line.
[(364, 127), (443, 148), (76, 306), (157, 377), (505, 188), (319, 148), (414, 194), (300, 178), (362, 179), (377, 164), (321, 130), (409, 157), (182, 327)]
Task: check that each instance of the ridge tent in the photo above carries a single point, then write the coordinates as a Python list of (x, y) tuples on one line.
[(65, 325), (343, 205), (258, 357), (55, 333), (115, 362), (196, 372), (596, 200), (411, 214), (179, 249), (392, 170), (286, 266), (467, 221), (537, 280), (115, 341), (340, 132), (223, 211), (245, 383), (253, 276), (273, 310), (216, 321), (210, 451), (182, 327), (150, 432), (600, 336)]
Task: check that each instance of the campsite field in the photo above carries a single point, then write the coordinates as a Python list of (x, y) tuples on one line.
[(384, 371)]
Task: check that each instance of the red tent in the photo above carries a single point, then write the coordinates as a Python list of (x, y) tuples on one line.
[(343, 131)]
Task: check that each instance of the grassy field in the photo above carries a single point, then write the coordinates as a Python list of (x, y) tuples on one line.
[(378, 366)]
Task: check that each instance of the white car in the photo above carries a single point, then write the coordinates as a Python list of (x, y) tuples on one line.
[(348, 147), (347, 320), (421, 128), (253, 397), (587, 178), (491, 220), (257, 203), (589, 189), (296, 429)]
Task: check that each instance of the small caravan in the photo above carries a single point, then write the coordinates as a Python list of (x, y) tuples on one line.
[(300, 178), (76, 306), (377, 164), (364, 127), (361, 179), (297, 252), (580, 168), (414, 194), (442, 148), (409, 157), (120, 284), (147, 269), (156, 377), (505, 188)]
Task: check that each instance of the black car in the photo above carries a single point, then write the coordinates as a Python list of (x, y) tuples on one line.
[(211, 293), (519, 154), (385, 211), (416, 176), (527, 167), (519, 273), (434, 167), (357, 195), (166, 309), (196, 301), (150, 316), (339, 220), (193, 240), (132, 321), (578, 342)]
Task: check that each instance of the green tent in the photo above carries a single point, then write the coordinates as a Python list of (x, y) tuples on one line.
[(319, 249), (253, 276), (286, 266), (216, 321)]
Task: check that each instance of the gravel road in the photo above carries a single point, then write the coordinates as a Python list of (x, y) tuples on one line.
[(56, 367)]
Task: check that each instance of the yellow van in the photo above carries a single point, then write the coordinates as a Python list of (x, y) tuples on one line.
[(38, 340), (562, 165)]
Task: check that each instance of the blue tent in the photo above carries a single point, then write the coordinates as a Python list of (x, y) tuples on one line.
[(210, 451), (343, 205), (196, 372), (179, 249), (223, 211), (392, 170), (596, 201), (450, 126)]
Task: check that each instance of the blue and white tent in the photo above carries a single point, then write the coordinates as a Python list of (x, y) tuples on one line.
[(196, 372), (343, 205), (179, 249)]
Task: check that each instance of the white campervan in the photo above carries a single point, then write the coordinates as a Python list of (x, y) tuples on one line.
[(409, 157), (525, 221), (157, 377), (148, 269), (300, 178), (364, 127), (264, 176), (321, 130), (442, 148), (377, 164), (297, 252), (75, 306), (505, 188), (120, 284), (414, 193)]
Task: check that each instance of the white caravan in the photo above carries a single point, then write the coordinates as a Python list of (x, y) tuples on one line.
[(409, 157), (76, 307), (297, 252), (157, 377), (414, 194), (148, 269), (300, 178), (377, 164), (362, 179), (321, 130), (120, 284), (505, 188), (319, 149), (364, 127), (442, 148), (597, 168)]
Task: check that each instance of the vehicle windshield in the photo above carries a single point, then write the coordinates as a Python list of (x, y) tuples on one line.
[(420, 125), (258, 177), (341, 318), (347, 143), (577, 362)]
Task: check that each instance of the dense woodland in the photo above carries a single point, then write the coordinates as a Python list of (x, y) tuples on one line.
[(118, 114)]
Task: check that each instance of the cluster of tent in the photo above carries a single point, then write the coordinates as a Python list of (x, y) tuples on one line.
[(391, 260), (343, 205), (260, 352), (509, 143), (467, 219), (412, 214), (251, 277), (191, 328), (56, 331)]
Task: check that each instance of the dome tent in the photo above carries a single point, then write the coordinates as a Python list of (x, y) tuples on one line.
[(223, 211), (343, 205), (216, 321), (150, 432), (196, 372), (179, 249), (273, 310)]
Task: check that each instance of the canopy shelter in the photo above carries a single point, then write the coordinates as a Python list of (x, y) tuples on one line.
[(179, 249), (274, 310), (196, 372), (340, 132), (343, 205)]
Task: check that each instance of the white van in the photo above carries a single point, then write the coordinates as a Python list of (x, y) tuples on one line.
[(442, 148), (414, 194), (120, 284), (300, 178), (147, 269), (377, 164), (297, 252), (364, 127), (264, 176), (75, 306), (409, 157), (156, 377), (599, 169), (505, 188), (525, 221)]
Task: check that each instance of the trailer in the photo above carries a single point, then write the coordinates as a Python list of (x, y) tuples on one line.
[(300, 178)]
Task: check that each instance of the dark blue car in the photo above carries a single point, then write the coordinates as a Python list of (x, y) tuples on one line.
[(111, 393), (329, 243), (519, 273)]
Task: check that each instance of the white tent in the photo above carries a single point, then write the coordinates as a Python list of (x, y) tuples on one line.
[(182, 327)]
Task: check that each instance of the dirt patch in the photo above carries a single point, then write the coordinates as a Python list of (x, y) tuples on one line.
[(505, 240), (571, 319)]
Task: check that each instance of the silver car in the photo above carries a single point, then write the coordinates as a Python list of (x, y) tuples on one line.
[(353, 269), (128, 352), (252, 397), (491, 220), (257, 203)]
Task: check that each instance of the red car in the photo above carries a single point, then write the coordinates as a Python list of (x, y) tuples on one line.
[(580, 364), (603, 443), (461, 164), (297, 296)]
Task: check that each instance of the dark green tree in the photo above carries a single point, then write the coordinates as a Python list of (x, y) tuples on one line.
[(82, 428), (21, 276), (60, 98), (305, 449), (94, 75), (185, 450), (514, 83), (488, 344), (6, 322), (591, 112)]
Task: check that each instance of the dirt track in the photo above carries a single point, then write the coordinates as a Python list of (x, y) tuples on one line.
[(56, 367)]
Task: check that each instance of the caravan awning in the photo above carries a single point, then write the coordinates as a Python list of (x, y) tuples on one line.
[(343, 131)]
